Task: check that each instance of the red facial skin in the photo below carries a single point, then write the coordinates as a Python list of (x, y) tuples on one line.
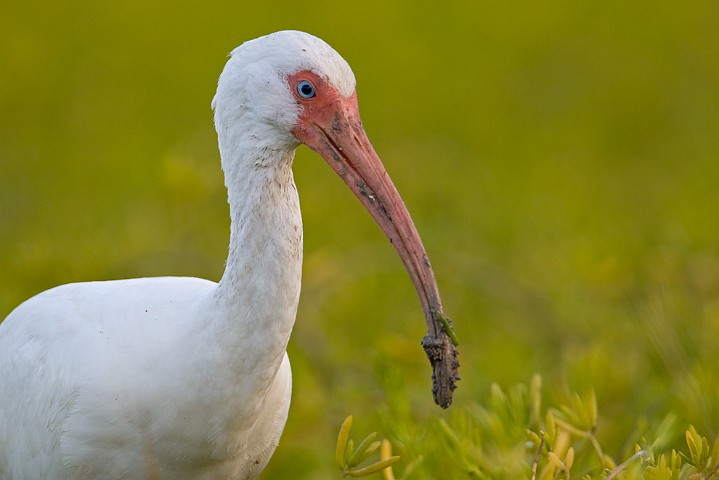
[(329, 124)]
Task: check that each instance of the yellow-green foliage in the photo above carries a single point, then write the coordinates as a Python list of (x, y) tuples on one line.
[(348, 457), (510, 435)]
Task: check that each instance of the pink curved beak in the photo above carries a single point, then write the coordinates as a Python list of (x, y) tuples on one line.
[(333, 129)]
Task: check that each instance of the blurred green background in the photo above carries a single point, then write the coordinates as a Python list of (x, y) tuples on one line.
[(560, 159)]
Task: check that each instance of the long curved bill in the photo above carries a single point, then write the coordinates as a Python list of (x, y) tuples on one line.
[(338, 136)]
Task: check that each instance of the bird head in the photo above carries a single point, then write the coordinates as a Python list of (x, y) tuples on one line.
[(269, 81)]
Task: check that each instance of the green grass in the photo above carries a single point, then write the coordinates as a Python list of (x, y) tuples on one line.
[(560, 159)]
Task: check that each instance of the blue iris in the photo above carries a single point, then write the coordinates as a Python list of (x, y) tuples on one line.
[(305, 89)]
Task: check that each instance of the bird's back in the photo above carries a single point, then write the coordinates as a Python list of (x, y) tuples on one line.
[(92, 373)]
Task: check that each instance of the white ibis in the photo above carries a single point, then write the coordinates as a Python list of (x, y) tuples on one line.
[(186, 378)]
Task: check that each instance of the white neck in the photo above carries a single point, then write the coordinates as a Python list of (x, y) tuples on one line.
[(255, 302)]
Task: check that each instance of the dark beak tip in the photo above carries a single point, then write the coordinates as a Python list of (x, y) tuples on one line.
[(442, 354)]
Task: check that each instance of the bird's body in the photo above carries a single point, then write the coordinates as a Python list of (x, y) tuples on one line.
[(101, 398), (181, 377)]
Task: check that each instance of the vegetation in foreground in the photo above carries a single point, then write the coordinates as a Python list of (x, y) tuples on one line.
[(513, 436)]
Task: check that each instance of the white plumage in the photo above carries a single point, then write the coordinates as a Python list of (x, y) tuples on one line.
[(178, 378)]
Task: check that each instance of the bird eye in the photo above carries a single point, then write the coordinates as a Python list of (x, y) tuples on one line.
[(305, 89)]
